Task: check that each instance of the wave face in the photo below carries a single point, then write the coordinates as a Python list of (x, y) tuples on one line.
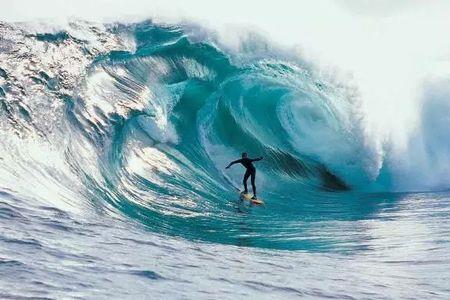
[(140, 120)]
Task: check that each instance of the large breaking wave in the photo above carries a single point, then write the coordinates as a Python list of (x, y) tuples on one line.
[(139, 120)]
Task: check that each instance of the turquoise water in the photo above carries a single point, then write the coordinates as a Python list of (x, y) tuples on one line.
[(211, 110), (112, 182)]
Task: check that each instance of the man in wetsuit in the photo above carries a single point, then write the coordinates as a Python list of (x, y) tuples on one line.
[(251, 171)]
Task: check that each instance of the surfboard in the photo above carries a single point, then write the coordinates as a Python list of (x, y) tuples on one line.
[(248, 197)]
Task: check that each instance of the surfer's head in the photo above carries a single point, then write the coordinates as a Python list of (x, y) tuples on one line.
[(244, 154)]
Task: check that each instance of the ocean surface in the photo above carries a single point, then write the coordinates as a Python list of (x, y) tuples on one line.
[(113, 143)]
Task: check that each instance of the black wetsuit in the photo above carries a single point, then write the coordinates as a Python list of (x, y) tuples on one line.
[(251, 171)]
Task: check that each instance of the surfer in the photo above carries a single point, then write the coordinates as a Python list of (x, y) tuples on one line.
[(251, 171)]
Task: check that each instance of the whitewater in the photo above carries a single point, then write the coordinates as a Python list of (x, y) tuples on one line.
[(115, 135)]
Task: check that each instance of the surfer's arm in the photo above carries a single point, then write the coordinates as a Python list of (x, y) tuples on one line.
[(257, 159), (232, 163)]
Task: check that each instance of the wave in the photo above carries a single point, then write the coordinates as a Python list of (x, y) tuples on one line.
[(140, 119)]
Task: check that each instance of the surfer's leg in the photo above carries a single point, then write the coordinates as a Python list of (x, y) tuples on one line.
[(253, 184), (246, 176)]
